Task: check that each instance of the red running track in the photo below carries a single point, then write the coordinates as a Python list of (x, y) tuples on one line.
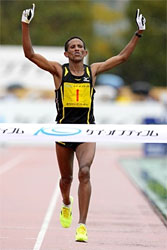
[(120, 218)]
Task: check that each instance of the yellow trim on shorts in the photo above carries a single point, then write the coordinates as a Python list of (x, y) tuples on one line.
[(61, 142)]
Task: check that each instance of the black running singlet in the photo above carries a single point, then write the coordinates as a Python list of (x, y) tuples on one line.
[(74, 98)]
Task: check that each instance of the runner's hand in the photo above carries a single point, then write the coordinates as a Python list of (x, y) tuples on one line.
[(28, 14), (140, 20)]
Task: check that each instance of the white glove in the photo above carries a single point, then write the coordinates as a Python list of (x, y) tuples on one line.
[(28, 14), (140, 20)]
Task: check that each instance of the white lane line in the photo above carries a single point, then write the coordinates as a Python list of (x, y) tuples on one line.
[(47, 218), (10, 164)]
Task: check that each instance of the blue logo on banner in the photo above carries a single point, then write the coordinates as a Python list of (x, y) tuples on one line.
[(58, 132)]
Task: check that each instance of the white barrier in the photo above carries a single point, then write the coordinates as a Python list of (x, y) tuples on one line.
[(83, 133)]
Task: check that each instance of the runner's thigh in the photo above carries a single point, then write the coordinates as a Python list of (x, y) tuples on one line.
[(85, 153), (65, 157)]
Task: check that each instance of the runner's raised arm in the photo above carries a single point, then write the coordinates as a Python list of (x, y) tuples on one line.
[(53, 67), (100, 67)]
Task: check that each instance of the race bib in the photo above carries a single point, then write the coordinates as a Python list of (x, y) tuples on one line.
[(77, 95)]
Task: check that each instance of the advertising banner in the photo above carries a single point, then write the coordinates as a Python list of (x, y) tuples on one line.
[(83, 132)]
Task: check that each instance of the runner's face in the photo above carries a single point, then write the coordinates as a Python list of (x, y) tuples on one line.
[(76, 51)]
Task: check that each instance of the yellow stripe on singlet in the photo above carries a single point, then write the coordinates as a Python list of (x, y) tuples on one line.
[(66, 71), (63, 105), (88, 116), (89, 107), (88, 71), (62, 97)]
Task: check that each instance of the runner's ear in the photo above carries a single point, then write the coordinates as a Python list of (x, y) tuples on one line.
[(66, 54), (86, 52)]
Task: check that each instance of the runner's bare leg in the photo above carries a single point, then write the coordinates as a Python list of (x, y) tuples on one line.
[(85, 154), (65, 157)]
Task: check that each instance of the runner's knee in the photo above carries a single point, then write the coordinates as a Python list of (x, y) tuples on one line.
[(84, 174)]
